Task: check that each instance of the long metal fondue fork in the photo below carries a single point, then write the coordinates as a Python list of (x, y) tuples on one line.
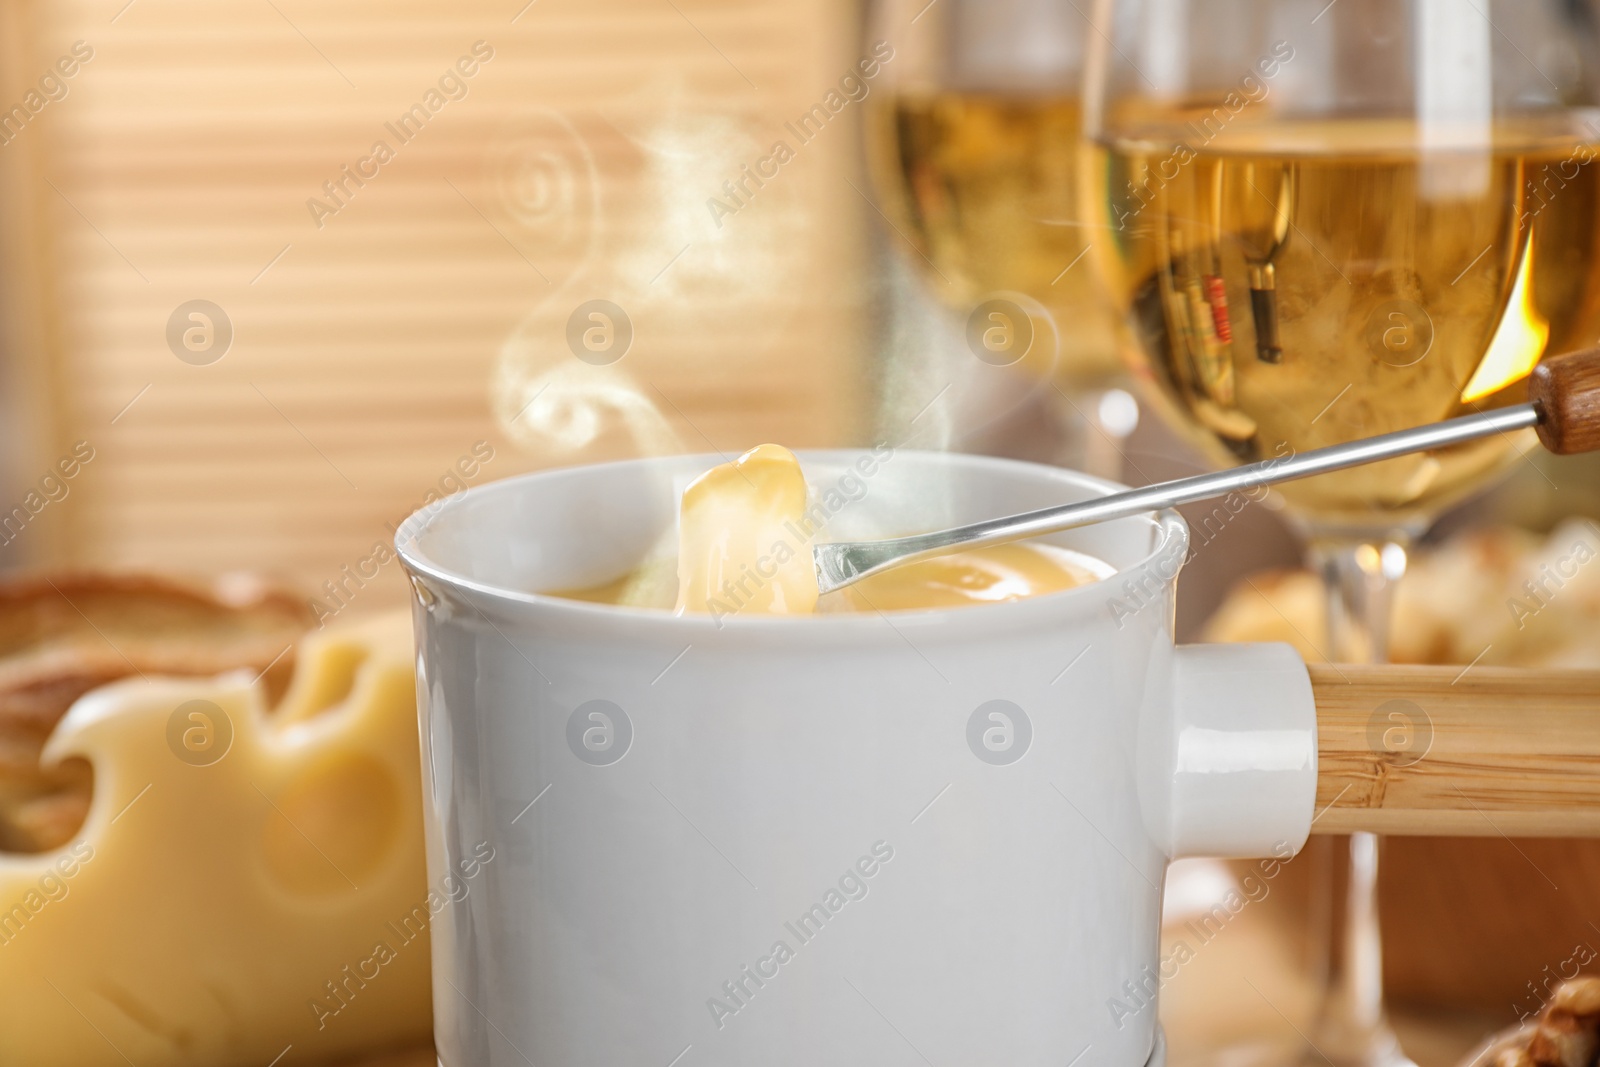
[(1565, 408)]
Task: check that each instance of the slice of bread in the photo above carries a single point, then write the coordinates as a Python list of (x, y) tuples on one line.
[(62, 635), (1566, 1032)]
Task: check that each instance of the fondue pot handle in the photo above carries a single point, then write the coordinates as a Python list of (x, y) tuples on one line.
[(1482, 752)]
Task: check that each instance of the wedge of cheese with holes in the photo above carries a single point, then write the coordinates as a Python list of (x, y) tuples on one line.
[(248, 887)]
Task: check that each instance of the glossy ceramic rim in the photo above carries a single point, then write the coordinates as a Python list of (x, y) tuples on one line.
[(1173, 536)]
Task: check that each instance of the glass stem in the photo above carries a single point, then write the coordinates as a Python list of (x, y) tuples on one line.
[(1102, 420), (1361, 977), (1352, 1030), (1102, 447)]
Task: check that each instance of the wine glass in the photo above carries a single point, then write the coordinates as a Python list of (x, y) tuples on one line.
[(1329, 220), (973, 144)]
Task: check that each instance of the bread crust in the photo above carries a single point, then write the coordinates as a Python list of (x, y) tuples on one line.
[(65, 633)]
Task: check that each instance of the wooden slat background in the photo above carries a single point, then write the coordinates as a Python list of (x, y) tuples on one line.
[(371, 353)]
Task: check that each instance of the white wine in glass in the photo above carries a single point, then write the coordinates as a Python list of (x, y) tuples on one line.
[(987, 185), (1298, 284)]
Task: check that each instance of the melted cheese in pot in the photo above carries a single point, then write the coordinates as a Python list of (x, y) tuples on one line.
[(744, 546), (742, 543)]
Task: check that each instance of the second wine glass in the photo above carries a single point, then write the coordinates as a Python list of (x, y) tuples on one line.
[(973, 143)]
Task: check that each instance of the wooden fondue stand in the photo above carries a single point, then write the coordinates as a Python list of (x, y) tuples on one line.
[(1484, 751)]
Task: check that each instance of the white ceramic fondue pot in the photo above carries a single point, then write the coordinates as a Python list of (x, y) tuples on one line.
[(849, 840)]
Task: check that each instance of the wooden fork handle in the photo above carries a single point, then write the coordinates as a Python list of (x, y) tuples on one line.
[(1565, 390)]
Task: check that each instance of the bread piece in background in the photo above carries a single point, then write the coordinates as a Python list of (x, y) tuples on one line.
[(1491, 924), (1507, 595), (64, 634)]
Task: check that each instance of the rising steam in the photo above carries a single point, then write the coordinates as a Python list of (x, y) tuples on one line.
[(573, 407), (636, 232)]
